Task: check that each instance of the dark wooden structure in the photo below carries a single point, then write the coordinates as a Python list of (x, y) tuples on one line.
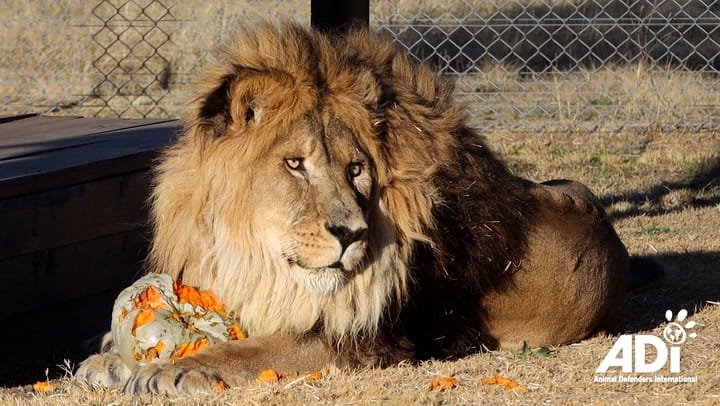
[(73, 225), (334, 15)]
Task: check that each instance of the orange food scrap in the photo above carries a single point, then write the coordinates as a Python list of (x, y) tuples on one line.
[(221, 386), (236, 333), (443, 383), (44, 386), (187, 349), (150, 299), (154, 351), (269, 376), (499, 380), (203, 298), (314, 376), (143, 317)]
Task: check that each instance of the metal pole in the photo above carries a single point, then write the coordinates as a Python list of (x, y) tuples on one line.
[(339, 15)]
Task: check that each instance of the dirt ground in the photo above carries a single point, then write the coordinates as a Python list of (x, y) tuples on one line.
[(662, 191)]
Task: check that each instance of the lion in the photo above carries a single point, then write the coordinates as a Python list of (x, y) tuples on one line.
[(329, 190)]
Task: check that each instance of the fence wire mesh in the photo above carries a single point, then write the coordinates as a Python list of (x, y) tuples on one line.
[(566, 64), (528, 64), (132, 41)]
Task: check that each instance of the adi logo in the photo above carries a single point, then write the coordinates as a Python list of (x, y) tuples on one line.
[(643, 354), (674, 333)]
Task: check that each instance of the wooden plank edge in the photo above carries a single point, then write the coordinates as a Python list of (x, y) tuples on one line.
[(10, 118), (40, 182), (150, 122), (122, 163)]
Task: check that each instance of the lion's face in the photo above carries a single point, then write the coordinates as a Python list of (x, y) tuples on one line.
[(312, 189)]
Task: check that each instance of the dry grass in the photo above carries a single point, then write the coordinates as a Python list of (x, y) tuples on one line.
[(662, 191), (637, 96)]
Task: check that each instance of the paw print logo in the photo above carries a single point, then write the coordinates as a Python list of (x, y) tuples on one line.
[(675, 333)]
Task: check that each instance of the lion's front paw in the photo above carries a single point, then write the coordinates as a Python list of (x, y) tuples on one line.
[(106, 370), (184, 377)]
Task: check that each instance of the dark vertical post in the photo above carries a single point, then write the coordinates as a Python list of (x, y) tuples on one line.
[(339, 15)]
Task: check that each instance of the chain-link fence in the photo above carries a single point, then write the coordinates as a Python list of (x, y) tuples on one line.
[(116, 58), (567, 64), (531, 64), (133, 65)]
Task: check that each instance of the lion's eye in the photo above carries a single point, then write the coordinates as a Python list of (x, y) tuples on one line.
[(296, 164), (355, 169)]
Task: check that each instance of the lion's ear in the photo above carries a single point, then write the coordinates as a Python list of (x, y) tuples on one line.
[(244, 108), (249, 112), (215, 107)]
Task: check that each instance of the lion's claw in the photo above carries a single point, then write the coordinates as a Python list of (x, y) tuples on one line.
[(167, 378)]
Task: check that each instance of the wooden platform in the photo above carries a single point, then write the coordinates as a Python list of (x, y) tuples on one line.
[(73, 218)]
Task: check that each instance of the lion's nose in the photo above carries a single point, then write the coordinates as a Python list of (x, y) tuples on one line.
[(345, 235)]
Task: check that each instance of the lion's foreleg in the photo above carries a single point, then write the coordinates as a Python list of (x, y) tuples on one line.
[(232, 363)]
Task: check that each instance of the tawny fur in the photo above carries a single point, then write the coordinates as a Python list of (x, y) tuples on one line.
[(459, 254)]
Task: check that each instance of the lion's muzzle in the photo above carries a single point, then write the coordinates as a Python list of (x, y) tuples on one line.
[(347, 236)]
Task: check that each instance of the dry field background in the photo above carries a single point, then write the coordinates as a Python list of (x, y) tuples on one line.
[(662, 191)]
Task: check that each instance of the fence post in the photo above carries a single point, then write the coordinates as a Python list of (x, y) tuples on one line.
[(338, 16)]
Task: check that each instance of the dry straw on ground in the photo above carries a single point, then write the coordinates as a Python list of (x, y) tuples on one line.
[(662, 191)]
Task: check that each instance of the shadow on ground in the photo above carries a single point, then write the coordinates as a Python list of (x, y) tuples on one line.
[(691, 280), (704, 185)]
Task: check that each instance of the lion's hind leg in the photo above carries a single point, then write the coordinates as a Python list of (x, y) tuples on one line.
[(105, 369), (573, 275)]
